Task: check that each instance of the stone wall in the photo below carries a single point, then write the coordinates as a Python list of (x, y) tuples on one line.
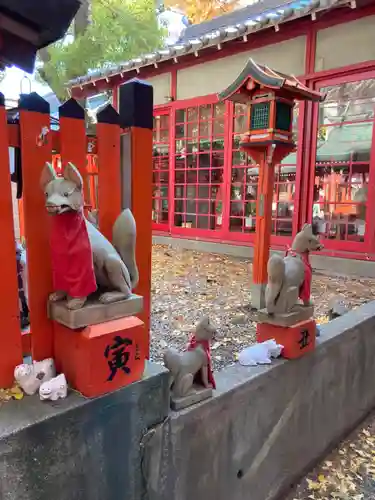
[(80, 449), (267, 425)]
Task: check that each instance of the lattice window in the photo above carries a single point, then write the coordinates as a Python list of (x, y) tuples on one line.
[(260, 116), (342, 166), (160, 201), (198, 167)]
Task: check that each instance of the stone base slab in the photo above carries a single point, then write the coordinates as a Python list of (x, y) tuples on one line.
[(296, 315), (197, 395), (94, 312)]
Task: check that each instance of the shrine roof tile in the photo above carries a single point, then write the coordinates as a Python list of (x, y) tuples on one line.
[(223, 29)]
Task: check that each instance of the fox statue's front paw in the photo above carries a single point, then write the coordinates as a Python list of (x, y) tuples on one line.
[(76, 303), (56, 296)]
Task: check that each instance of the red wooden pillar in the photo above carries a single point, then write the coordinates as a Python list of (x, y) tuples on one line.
[(36, 150), (10, 334), (73, 146), (267, 158), (109, 171), (136, 112)]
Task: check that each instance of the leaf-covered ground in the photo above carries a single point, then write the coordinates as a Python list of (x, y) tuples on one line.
[(348, 473), (187, 285)]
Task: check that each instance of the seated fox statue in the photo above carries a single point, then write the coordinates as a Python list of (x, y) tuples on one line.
[(193, 366), (289, 278), (83, 260)]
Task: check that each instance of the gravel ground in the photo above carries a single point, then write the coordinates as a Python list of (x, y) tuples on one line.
[(187, 285)]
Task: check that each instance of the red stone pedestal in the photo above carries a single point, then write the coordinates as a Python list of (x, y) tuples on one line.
[(297, 339), (101, 358)]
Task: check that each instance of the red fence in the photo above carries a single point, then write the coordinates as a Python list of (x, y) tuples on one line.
[(39, 144)]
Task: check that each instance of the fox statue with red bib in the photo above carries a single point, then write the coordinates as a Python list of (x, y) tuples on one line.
[(83, 260), (289, 277)]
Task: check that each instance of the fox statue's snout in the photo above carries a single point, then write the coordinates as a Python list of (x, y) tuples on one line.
[(63, 194)]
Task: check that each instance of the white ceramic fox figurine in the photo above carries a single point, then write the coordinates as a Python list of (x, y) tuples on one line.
[(82, 258)]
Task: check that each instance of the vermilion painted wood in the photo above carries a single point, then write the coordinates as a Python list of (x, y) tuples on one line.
[(141, 204), (166, 111), (73, 148), (54, 137), (86, 356), (21, 218), (115, 97), (340, 245), (290, 337), (109, 176), (263, 219), (298, 202), (10, 333), (36, 230)]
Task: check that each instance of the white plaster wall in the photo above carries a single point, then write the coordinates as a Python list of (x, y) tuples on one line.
[(345, 44), (214, 76), (162, 87)]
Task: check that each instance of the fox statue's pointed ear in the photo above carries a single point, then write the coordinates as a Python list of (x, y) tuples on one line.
[(306, 227), (71, 174), (48, 175)]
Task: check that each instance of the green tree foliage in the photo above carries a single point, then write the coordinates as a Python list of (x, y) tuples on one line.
[(117, 30)]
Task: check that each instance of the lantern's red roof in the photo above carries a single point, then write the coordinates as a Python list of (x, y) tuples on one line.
[(265, 77)]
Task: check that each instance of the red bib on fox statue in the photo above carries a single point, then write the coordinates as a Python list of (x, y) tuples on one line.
[(72, 262), (206, 346), (305, 289)]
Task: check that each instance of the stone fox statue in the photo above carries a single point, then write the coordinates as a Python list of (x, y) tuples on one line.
[(82, 258), (289, 278), (193, 365)]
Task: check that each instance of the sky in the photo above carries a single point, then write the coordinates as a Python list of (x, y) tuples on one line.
[(17, 81)]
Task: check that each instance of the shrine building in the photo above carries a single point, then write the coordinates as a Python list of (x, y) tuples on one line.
[(204, 187)]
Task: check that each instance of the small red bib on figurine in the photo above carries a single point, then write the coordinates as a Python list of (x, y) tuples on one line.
[(72, 264)]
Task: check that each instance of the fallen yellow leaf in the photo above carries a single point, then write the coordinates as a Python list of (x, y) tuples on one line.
[(313, 485)]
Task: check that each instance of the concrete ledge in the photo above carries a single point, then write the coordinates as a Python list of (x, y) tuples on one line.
[(266, 425), (326, 263), (79, 449)]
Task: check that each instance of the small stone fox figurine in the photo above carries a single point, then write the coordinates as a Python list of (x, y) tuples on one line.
[(289, 278), (82, 258), (193, 365)]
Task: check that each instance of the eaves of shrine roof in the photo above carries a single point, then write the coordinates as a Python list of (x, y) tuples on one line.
[(218, 31)]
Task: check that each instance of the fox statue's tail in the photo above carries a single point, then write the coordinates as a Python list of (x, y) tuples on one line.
[(276, 276), (124, 239)]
